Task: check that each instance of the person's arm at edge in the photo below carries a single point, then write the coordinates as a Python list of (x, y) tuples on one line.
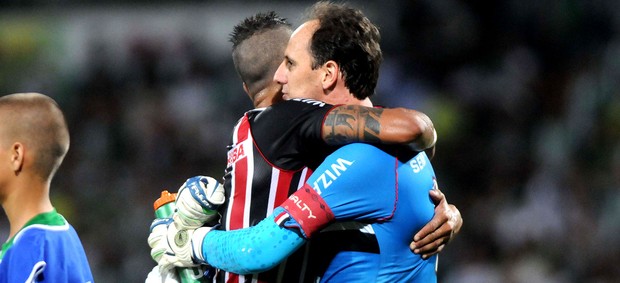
[(352, 123)]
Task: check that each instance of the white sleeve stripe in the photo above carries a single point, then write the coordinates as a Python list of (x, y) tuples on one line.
[(36, 270), (273, 189), (63, 227)]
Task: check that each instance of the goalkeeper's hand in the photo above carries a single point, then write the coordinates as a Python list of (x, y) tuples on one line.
[(197, 202), (173, 246)]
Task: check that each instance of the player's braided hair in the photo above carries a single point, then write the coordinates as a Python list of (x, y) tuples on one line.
[(258, 48), (347, 37)]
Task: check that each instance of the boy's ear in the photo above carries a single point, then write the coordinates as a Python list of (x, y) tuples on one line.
[(17, 157)]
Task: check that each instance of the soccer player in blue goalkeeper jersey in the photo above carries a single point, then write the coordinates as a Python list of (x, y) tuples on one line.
[(42, 245), (385, 196)]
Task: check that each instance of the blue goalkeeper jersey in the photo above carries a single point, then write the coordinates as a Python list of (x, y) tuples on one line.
[(46, 249), (389, 202)]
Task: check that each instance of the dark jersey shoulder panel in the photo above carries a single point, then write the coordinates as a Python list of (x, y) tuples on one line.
[(288, 134)]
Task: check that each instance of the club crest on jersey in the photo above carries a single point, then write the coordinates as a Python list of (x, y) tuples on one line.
[(331, 174), (310, 101)]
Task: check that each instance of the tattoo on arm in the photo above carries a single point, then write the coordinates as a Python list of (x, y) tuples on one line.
[(350, 123)]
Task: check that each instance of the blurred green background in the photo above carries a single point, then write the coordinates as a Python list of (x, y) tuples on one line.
[(524, 96)]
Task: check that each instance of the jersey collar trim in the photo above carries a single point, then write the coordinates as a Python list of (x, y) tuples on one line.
[(49, 221)]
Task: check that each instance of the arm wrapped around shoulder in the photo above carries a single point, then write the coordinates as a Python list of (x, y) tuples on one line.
[(346, 124), (414, 127)]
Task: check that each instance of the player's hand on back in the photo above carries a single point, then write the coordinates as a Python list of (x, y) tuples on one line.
[(442, 228)]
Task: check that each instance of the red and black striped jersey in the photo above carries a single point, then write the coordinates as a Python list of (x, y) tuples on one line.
[(272, 153)]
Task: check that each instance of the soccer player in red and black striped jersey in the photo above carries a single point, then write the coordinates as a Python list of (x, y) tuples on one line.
[(274, 149)]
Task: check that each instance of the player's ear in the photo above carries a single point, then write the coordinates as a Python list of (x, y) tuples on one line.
[(331, 73), (17, 157)]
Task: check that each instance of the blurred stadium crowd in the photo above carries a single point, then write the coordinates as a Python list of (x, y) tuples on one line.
[(524, 96)]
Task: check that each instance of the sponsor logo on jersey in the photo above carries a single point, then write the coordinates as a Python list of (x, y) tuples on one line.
[(331, 174), (418, 162), (238, 152)]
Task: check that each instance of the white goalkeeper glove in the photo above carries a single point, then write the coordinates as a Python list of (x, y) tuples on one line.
[(171, 246), (197, 202), (162, 276), (157, 236)]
